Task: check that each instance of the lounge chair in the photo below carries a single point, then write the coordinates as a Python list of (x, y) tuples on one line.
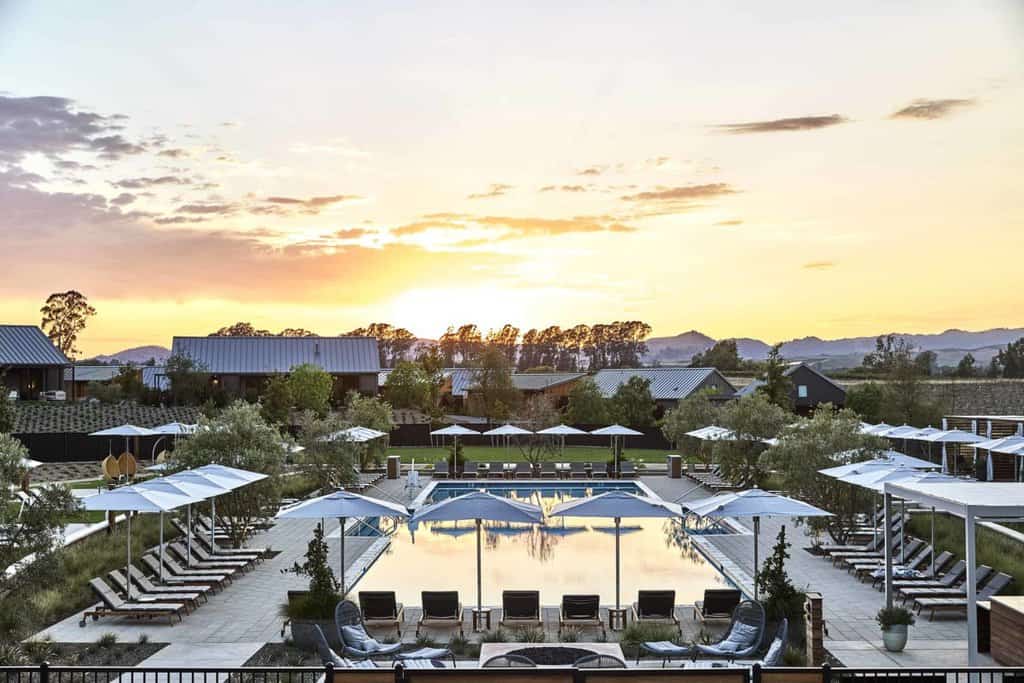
[(114, 606), (912, 594), (380, 608), (910, 547), (627, 469), (599, 470), (181, 551), (520, 608), (177, 571), (247, 553), (440, 608), (144, 582), (244, 563), (941, 560), (580, 610), (954, 576), (348, 619), (746, 631), (718, 603), (524, 470), (189, 600), (441, 469), (329, 656), (577, 470), (495, 470), (844, 558), (656, 607), (773, 657), (470, 469), (548, 470), (959, 604), (918, 559)]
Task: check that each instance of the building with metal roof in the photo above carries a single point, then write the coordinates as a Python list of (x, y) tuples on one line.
[(154, 377), (29, 362), (668, 385), (241, 365), (809, 388)]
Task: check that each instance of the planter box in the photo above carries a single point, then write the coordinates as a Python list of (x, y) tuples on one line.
[(303, 632)]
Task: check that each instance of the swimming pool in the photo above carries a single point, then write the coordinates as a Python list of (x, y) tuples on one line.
[(565, 555)]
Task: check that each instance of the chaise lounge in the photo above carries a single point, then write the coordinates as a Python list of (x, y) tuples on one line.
[(114, 606), (580, 610), (440, 608)]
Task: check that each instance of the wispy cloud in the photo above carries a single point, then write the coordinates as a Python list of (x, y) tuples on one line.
[(564, 188), (819, 265), (150, 181), (495, 190), (682, 193), (729, 223), (592, 170), (782, 125), (509, 227), (928, 110)]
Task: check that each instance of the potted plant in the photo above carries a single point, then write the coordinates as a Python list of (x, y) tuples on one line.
[(305, 609), (894, 622)]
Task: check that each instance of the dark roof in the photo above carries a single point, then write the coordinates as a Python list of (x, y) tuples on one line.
[(666, 383), (751, 388), (539, 381), (83, 417), (269, 355), (793, 368), (27, 345)]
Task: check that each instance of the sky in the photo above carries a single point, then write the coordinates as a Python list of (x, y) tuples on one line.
[(772, 170)]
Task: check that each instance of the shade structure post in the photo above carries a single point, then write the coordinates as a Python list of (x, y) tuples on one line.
[(479, 571), (903, 535), (213, 523), (618, 524), (932, 551), (757, 532), (874, 516), (127, 567), (341, 575), (970, 584), (887, 542), (161, 554), (188, 539)]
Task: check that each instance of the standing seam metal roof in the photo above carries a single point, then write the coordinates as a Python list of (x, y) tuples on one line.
[(666, 383), (27, 345), (268, 355)]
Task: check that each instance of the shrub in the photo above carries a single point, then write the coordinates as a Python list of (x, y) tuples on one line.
[(323, 595), (425, 641), (570, 634), (107, 640), (11, 654), (794, 657), (458, 644), (498, 635), (528, 634), (780, 598), (637, 633), (39, 650), (143, 639), (894, 616)]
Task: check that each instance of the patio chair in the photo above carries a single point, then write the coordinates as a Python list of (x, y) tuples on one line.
[(627, 468), (204, 555), (144, 582), (181, 551), (441, 469), (959, 604), (911, 546), (114, 606), (941, 561), (874, 544), (524, 470), (718, 603), (656, 607), (746, 631), (189, 600), (470, 469), (380, 608), (352, 633), (520, 608), (577, 470), (580, 610), (193, 575), (599, 470), (951, 578), (596, 661), (495, 470), (329, 656), (980, 576), (917, 559), (548, 470), (256, 554), (509, 662), (773, 657), (440, 608)]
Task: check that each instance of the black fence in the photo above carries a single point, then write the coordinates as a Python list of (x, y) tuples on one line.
[(77, 447), (419, 435), (399, 674)]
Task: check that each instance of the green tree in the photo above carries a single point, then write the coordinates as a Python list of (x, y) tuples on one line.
[(967, 367), (323, 595), (7, 414), (311, 388), (752, 419), (276, 401), (372, 412), (780, 597), (828, 439), (241, 329), (65, 315), (189, 380), (408, 386), (129, 379), (723, 355), (777, 386), (331, 461), (693, 412), (587, 405), (537, 413), (633, 404), (432, 362), (866, 400), (1010, 360), (238, 437), (926, 363), (496, 396)]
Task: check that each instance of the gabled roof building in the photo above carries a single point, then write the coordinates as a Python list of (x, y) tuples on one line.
[(29, 362)]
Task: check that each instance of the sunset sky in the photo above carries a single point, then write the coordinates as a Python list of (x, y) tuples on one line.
[(757, 169)]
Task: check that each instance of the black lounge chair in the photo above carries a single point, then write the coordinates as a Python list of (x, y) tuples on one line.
[(470, 470), (953, 576), (381, 608), (348, 619), (959, 604), (718, 603), (577, 470), (440, 608), (144, 582), (746, 631), (495, 470), (181, 552), (441, 469), (599, 470), (656, 607), (114, 606), (981, 575), (627, 469), (941, 560), (247, 553), (524, 470), (911, 547), (520, 608), (548, 470), (580, 610), (203, 555), (189, 600), (175, 570)]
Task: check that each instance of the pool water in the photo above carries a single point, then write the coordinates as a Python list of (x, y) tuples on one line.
[(565, 555)]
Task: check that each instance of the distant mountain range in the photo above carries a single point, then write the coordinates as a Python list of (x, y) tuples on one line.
[(138, 356)]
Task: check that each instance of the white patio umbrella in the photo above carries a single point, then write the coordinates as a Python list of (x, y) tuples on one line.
[(877, 430), (176, 429), (479, 506), (130, 499), (127, 431), (454, 431), (29, 463), (343, 505), (218, 481), (756, 504), (614, 431), (507, 431), (562, 431), (195, 492), (949, 436), (710, 433), (616, 505), (356, 435)]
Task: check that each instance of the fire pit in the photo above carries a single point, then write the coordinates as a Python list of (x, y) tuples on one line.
[(549, 654)]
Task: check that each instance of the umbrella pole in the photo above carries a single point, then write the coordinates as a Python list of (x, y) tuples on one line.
[(213, 523), (757, 532), (479, 579), (903, 536), (342, 521), (618, 522), (126, 568), (188, 538), (161, 554), (932, 553)]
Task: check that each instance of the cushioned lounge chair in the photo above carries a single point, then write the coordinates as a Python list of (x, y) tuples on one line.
[(718, 603), (912, 547), (599, 470), (495, 470), (524, 470), (441, 469), (348, 619), (245, 563), (114, 606), (580, 610), (381, 608), (440, 608), (189, 600), (946, 583), (520, 608), (941, 561), (627, 469), (181, 552), (146, 584), (548, 470), (746, 631), (959, 604), (773, 657), (470, 470), (953, 576), (246, 553), (176, 570), (656, 607), (202, 559), (981, 575), (577, 470)]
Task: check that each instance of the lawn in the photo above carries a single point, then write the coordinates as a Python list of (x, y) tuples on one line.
[(423, 454)]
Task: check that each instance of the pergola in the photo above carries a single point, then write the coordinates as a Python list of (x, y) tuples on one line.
[(971, 501)]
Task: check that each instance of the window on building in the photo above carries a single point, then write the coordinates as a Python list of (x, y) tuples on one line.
[(801, 391)]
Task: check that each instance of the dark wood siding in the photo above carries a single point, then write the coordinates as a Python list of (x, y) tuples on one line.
[(819, 390)]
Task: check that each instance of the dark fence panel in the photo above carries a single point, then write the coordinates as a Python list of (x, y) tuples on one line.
[(419, 435), (76, 447)]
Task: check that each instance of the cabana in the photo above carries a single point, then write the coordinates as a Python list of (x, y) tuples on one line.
[(972, 501)]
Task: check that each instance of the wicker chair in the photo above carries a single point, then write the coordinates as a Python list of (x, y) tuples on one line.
[(348, 614), (746, 631)]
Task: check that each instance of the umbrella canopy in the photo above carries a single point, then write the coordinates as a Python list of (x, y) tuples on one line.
[(900, 432), (616, 505), (711, 433), (29, 463), (953, 436), (226, 472), (454, 430), (877, 464), (876, 430), (887, 459), (342, 505), (210, 476), (1007, 444), (126, 430), (562, 430), (616, 430), (875, 479), (176, 428), (756, 504), (479, 506), (356, 435), (507, 430), (920, 434)]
